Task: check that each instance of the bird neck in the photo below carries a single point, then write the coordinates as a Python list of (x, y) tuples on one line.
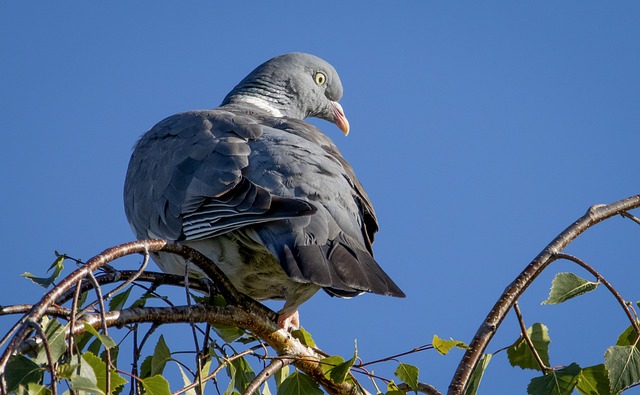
[(277, 100), (264, 106)]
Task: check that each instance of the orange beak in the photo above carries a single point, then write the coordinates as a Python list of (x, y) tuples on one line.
[(340, 119)]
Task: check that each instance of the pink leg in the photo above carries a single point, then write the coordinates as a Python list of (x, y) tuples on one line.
[(288, 321)]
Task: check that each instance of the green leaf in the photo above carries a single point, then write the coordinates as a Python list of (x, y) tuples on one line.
[(521, 355), (556, 382), (335, 367), (100, 369), (21, 371), (34, 389), (593, 380), (231, 372), (408, 374), (304, 337), (204, 299), (241, 373), (142, 300), (228, 333), (186, 381), (161, 354), (56, 337), (81, 340), (217, 300), (84, 377), (623, 365), (156, 385), (145, 367), (67, 370), (85, 384), (340, 373), (629, 337), (476, 376), (392, 389), (299, 384), (113, 353), (203, 372), (566, 286), (265, 389), (329, 363), (45, 282), (95, 345), (444, 346), (82, 298), (281, 375), (106, 341), (118, 301)]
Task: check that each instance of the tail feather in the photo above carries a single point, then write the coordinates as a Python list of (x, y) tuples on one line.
[(340, 267)]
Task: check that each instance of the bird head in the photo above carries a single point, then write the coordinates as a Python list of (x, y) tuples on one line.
[(295, 85)]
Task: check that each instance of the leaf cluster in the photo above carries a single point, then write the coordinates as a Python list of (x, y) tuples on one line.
[(620, 370)]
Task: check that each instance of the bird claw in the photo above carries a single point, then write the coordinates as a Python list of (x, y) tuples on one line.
[(289, 321)]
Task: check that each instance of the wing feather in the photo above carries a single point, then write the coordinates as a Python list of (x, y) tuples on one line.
[(185, 179)]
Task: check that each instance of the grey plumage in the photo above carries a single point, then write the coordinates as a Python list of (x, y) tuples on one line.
[(263, 193)]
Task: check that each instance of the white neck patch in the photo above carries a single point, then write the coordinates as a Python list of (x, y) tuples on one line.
[(262, 104)]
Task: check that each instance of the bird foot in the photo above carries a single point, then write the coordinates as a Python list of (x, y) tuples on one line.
[(289, 321)]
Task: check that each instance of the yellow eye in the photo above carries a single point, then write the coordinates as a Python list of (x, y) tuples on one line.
[(320, 78)]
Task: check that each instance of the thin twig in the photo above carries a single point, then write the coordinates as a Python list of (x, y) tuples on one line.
[(151, 277), (47, 350), (72, 322), (607, 284), (527, 339), (274, 366), (130, 279), (187, 291), (631, 217), (214, 373), (135, 384), (147, 335), (392, 357), (199, 373), (107, 351)]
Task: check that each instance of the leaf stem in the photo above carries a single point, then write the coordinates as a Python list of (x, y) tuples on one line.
[(392, 357), (606, 283), (523, 329)]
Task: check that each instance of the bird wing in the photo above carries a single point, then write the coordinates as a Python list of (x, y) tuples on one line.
[(331, 248), (200, 174), (185, 179)]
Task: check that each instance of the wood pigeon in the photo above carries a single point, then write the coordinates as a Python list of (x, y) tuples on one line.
[(264, 194)]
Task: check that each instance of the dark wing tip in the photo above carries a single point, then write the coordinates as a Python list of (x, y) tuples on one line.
[(340, 267), (245, 204)]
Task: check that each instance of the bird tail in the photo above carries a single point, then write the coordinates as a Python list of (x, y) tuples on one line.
[(339, 267)]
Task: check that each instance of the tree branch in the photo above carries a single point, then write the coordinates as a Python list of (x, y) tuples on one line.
[(422, 387), (241, 311), (494, 319), (274, 366)]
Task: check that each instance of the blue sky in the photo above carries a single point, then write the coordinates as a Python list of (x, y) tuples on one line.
[(480, 131)]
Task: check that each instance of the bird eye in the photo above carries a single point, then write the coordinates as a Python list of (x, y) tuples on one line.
[(320, 78)]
